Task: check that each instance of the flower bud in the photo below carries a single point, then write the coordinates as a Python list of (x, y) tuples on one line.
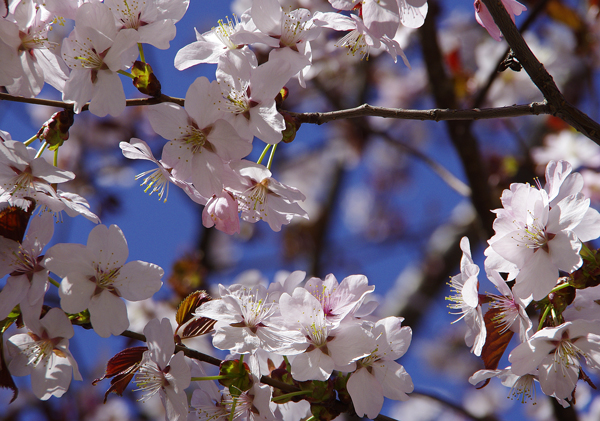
[(145, 81), (56, 130)]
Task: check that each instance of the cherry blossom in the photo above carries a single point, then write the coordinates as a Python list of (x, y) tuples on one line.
[(466, 299), (158, 179), (261, 197), (95, 276), (44, 354), (28, 278), (222, 212), (555, 352), (378, 375), (154, 20), (26, 31), (95, 51), (24, 176), (162, 372), (247, 320), (328, 347)]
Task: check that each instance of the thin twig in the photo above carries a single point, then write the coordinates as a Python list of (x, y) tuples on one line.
[(540, 76), (365, 110)]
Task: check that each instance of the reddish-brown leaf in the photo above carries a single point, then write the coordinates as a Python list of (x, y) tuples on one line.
[(198, 327), (185, 311), (496, 341), (122, 362)]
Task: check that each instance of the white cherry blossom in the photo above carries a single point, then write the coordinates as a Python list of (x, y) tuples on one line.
[(95, 277)]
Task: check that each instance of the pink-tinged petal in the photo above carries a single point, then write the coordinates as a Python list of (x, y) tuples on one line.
[(31, 81), (64, 258), (250, 169), (96, 23), (38, 288), (589, 227), (158, 33), (138, 280), (482, 375), (39, 233), (108, 314), (381, 17), (313, 365), (267, 15), (198, 52), (527, 356), (79, 88), (470, 292), (108, 246), (12, 294), (122, 53), (567, 213), (484, 18), (159, 338), (108, 96), (57, 324), (557, 378), (75, 292), (394, 379), (200, 100), (266, 123), (8, 250), (349, 344), (227, 143), (290, 193), (413, 13), (366, 393), (208, 169), (564, 251), (396, 340), (222, 212), (537, 278), (514, 7), (180, 371), (238, 340), (301, 308), (137, 149), (51, 378), (179, 155), (175, 403), (512, 249), (169, 120), (48, 172)]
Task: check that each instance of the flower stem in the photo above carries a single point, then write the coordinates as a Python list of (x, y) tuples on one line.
[(42, 149), (289, 395), (55, 162), (141, 49), (544, 315), (200, 379), (30, 141), (262, 155), (54, 282), (271, 157), (232, 409), (559, 287), (123, 72)]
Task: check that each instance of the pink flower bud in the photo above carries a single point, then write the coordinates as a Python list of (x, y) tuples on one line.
[(222, 212)]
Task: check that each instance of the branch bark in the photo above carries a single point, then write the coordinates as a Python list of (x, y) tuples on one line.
[(540, 76)]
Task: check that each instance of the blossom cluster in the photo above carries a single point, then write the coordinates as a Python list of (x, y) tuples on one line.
[(208, 138), (537, 255)]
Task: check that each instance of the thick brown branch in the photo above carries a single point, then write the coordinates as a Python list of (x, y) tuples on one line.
[(540, 76)]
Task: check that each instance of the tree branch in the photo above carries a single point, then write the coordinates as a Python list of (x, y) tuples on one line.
[(538, 74)]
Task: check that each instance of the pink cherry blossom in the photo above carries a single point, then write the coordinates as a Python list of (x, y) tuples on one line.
[(378, 375), (95, 276), (222, 212), (162, 372), (28, 278), (261, 197), (466, 299), (95, 51), (44, 354)]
